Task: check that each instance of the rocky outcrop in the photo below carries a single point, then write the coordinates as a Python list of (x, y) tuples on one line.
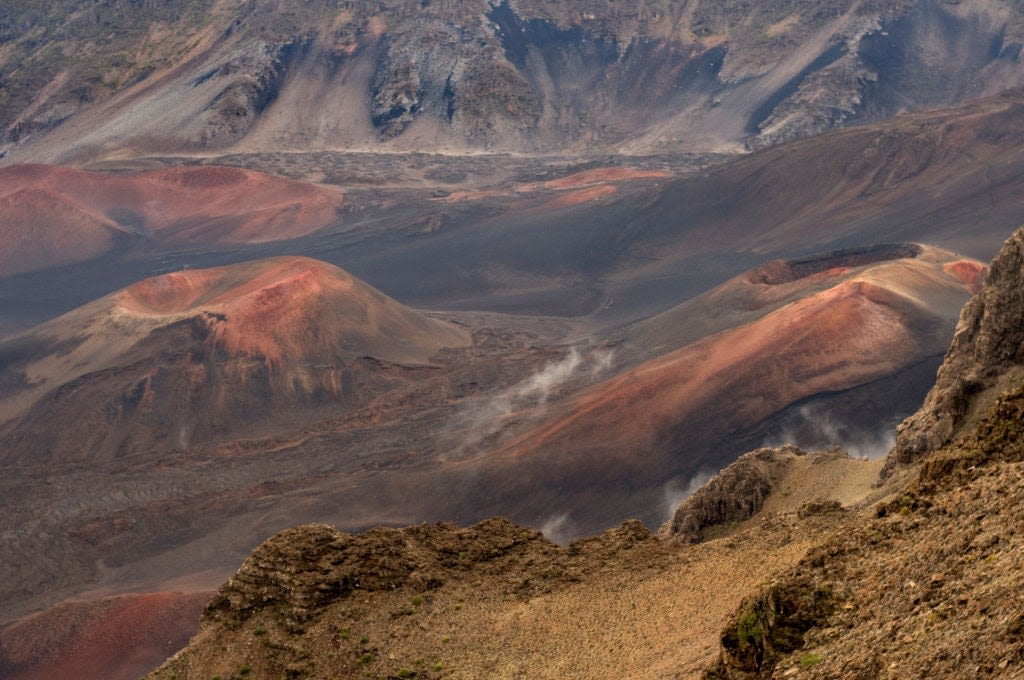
[(923, 584), (252, 80), (770, 624), (987, 350), (735, 494), (300, 571)]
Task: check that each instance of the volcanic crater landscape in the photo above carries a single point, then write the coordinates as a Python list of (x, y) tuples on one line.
[(510, 339)]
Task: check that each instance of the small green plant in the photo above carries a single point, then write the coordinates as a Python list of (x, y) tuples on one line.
[(259, 631), (343, 633), (244, 669), (748, 628), (417, 601), (363, 640), (437, 667), (810, 659), (365, 659), (458, 606), (405, 673)]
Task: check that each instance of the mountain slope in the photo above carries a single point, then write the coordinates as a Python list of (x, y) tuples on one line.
[(918, 577), (521, 75), (831, 329), (205, 355), (928, 583), (492, 600)]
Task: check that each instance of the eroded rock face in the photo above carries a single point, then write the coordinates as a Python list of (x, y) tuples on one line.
[(524, 75), (736, 494), (988, 345), (300, 571)]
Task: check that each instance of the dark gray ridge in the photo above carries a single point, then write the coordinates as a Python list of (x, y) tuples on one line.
[(785, 271)]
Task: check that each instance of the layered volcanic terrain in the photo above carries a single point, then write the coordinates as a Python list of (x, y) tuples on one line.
[(384, 263), (914, 572), (770, 351), (207, 355), (226, 403), (519, 75)]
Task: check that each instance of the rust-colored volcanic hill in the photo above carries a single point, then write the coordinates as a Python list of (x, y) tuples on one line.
[(206, 354), (52, 215), (769, 340)]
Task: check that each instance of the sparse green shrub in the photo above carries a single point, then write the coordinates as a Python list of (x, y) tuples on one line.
[(244, 669), (810, 659), (437, 667), (405, 673), (748, 628), (417, 601), (259, 630), (343, 633)]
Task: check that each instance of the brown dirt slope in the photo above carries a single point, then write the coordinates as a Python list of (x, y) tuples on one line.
[(493, 600), (927, 585), (497, 600), (773, 480)]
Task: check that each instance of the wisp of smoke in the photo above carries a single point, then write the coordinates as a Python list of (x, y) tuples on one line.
[(816, 427), (487, 417), (558, 529), (675, 492)]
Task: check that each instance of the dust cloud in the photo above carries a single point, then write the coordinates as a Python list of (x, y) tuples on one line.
[(815, 427), (482, 423)]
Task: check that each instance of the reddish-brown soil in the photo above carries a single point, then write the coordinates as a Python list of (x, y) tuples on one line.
[(971, 273), (216, 354), (118, 638), (868, 324), (53, 215), (581, 196), (268, 309)]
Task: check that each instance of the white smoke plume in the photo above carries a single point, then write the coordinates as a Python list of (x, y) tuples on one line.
[(675, 492), (558, 529), (485, 418), (816, 427)]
